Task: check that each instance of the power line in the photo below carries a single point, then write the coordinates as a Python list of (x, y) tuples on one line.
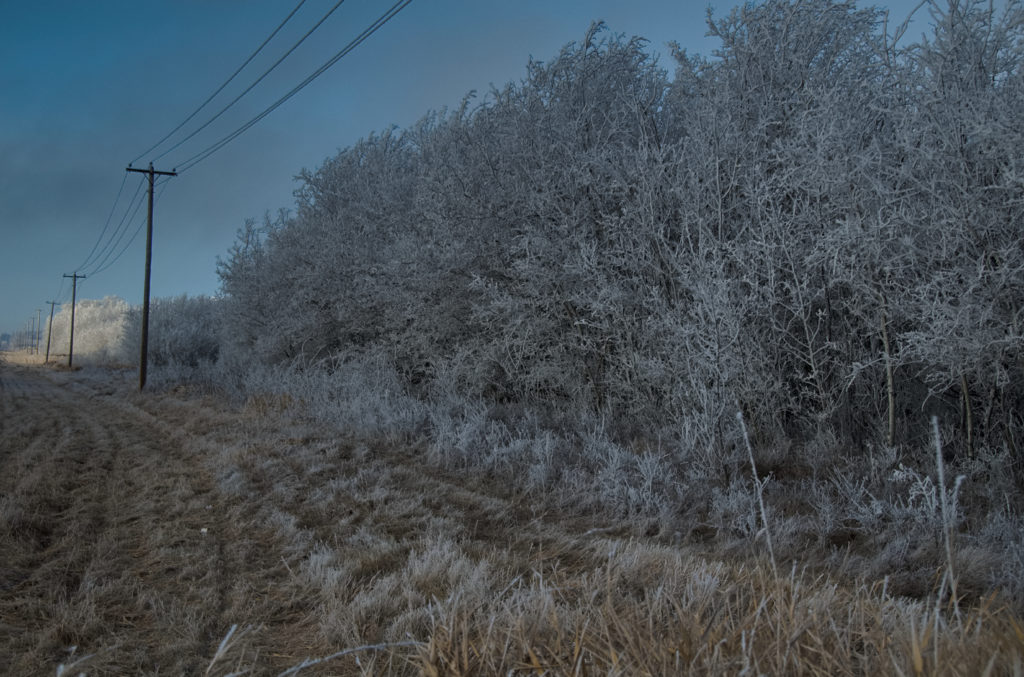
[(256, 82), (373, 28), (162, 184), (93, 252), (101, 253), (100, 257), (121, 230), (138, 229), (105, 225), (60, 291), (221, 88), (118, 235)]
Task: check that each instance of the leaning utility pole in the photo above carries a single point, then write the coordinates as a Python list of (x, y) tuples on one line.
[(49, 331), (74, 290), (144, 351)]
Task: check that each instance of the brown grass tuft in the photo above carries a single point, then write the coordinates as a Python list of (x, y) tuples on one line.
[(653, 611)]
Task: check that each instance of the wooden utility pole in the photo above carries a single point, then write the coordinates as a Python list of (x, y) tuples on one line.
[(74, 290), (39, 328), (49, 331), (144, 351)]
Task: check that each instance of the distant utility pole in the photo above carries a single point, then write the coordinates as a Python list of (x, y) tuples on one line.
[(39, 329), (144, 352), (74, 290), (49, 331), (32, 333)]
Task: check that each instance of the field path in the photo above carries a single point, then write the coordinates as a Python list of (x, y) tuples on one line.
[(114, 538), (139, 528), (139, 532)]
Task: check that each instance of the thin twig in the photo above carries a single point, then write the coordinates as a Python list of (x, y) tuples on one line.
[(759, 488)]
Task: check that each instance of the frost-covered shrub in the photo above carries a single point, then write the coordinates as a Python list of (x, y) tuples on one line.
[(362, 397), (100, 327), (814, 224), (183, 330), (584, 275), (184, 334)]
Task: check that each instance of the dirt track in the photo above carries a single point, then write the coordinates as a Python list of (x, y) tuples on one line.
[(139, 528), (104, 546)]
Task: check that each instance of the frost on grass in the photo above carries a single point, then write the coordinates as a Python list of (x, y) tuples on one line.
[(582, 277), (572, 285)]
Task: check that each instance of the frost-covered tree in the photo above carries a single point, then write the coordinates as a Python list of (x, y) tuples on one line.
[(961, 145), (99, 330), (184, 332), (818, 225), (567, 148)]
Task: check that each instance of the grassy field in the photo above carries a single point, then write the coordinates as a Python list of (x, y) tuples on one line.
[(174, 533)]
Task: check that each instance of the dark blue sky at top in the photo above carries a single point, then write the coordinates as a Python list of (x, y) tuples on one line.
[(85, 87)]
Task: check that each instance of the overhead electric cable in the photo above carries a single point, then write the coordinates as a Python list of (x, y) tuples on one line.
[(118, 233), (99, 252), (221, 88), (105, 225), (113, 244), (210, 150), (256, 82), (97, 271), (60, 291), (99, 265)]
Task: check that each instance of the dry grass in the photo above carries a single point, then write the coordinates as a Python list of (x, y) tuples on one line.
[(654, 611), (148, 534), (22, 357)]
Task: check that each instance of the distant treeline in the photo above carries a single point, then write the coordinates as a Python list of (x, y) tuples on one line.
[(184, 332)]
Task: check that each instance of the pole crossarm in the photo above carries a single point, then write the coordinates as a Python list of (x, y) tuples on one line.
[(154, 172)]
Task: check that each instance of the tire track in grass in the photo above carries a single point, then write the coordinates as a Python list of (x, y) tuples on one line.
[(326, 543), (320, 542), (109, 544), (386, 534), (257, 587), (75, 586)]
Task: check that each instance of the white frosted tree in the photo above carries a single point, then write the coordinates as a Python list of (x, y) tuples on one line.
[(818, 224), (99, 330)]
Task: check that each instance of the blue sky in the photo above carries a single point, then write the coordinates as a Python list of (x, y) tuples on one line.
[(85, 87)]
